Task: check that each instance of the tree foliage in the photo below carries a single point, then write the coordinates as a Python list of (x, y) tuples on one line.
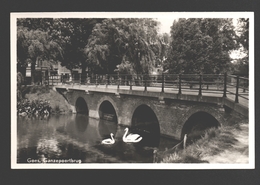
[(241, 65), (34, 45), (61, 40), (243, 32), (73, 36), (127, 45), (200, 45)]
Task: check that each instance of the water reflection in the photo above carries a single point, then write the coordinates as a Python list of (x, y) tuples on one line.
[(48, 148), (81, 122), (106, 127), (79, 137)]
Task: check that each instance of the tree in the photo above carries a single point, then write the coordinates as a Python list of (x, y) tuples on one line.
[(62, 36), (241, 65), (123, 44), (33, 45), (73, 35), (200, 46), (22, 50), (243, 31)]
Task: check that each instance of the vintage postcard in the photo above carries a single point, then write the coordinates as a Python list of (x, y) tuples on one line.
[(139, 90)]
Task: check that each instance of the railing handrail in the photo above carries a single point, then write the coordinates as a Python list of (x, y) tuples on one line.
[(209, 83)]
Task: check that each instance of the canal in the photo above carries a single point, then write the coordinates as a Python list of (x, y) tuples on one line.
[(77, 138)]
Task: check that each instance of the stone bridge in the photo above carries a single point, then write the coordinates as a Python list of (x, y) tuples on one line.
[(169, 114)]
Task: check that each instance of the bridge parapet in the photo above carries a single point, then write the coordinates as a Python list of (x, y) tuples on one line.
[(223, 85)]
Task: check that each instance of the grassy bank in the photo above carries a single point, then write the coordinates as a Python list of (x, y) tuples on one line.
[(56, 101), (227, 144)]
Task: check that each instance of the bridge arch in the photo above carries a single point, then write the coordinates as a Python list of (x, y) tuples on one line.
[(107, 110), (145, 122), (108, 117), (198, 119), (81, 106)]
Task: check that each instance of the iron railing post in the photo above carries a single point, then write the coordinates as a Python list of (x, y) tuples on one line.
[(96, 80), (179, 84), (237, 86), (163, 82), (61, 78), (145, 83), (225, 85), (200, 83), (118, 80), (131, 82), (106, 80), (86, 79)]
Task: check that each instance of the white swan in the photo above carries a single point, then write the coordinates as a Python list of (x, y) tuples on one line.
[(109, 141), (131, 138)]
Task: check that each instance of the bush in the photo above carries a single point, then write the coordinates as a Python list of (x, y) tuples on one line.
[(35, 107)]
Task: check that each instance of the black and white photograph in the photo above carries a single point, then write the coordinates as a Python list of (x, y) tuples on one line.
[(132, 90)]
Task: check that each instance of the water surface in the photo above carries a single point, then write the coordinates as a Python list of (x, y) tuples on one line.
[(76, 138)]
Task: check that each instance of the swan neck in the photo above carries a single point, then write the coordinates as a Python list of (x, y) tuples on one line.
[(112, 137), (125, 133)]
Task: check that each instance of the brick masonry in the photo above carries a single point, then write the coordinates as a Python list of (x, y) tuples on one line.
[(172, 114)]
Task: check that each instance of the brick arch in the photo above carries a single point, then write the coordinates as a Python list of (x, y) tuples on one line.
[(149, 109), (81, 105), (201, 109), (109, 99), (145, 121), (74, 97), (139, 103)]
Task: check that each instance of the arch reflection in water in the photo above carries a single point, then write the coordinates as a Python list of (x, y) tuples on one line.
[(78, 127), (105, 128), (81, 122)]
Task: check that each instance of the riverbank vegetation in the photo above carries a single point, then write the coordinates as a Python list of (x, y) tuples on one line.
[(40, 99), (223, 141)]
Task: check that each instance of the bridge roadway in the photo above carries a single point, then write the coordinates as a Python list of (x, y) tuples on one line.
[(172, 93)]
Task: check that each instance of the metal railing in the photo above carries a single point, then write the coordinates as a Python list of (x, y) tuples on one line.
[(237, 86), (234, 87)]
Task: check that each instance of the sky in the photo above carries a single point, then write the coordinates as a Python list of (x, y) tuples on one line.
[(166, 24)]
